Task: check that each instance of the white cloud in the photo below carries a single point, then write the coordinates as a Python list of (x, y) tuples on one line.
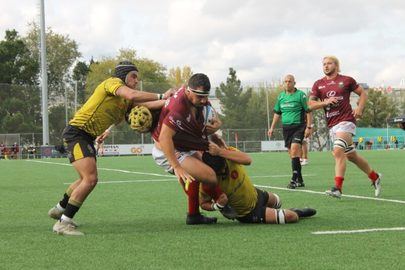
[(263, 40)]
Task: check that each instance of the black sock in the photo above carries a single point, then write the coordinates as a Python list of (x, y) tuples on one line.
[(296, 169), (71, 210), (64, 201)]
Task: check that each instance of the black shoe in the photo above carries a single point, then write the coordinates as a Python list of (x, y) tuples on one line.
[(200, 219), (300, 184), (228, 212), (292, 185), (304, 212)]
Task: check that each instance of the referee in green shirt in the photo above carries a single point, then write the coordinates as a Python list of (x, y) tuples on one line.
[(296, 119)]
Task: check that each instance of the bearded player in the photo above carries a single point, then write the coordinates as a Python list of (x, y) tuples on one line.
[(332, 93), (180, 136)]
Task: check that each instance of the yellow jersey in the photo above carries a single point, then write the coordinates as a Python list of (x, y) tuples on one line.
[(236, 184), (102, 109)]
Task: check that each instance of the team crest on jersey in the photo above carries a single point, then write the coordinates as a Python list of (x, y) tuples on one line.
[(341, 85), (331, 94), (234, 174)]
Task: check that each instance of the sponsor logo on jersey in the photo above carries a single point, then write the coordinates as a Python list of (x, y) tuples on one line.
[(188, 118), (321, 87), (234, 174), (331, 94)]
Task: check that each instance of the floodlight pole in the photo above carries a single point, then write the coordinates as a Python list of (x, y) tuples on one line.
[(44, 80)]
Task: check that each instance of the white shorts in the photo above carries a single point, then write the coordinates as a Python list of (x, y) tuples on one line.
[(162, 161), (344, 126)]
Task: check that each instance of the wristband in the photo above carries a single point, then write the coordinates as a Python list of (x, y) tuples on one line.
[(160, 96)]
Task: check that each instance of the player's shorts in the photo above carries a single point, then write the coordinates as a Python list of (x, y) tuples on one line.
[(258, 214), (78, 143), (293, 134), (344, 126), (162, 161)]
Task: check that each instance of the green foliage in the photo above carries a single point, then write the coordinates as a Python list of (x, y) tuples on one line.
[(80, 72), (233, 100), (61, 53), (379, 108), (17, 64), (179, 76)]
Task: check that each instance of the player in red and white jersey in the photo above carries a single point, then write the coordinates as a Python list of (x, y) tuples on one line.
[(180, 136), (332, 93)]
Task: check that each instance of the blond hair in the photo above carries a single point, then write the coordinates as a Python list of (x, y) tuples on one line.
[(334, 59)]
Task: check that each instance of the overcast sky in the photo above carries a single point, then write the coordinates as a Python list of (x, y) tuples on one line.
[(262, 39)]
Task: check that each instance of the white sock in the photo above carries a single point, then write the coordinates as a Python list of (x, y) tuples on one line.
[(218, 206), (60, 207), (65, 218)]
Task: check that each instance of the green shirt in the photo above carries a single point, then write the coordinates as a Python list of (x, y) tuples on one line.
[(292, 107)]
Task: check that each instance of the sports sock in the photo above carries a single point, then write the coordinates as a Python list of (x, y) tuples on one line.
[(373, 176), (64, 201), (296, 169), (192, 197), (71, 208), (339, 182)]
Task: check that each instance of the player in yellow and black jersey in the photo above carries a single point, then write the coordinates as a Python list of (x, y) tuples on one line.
[(251, 204), (105, 107)]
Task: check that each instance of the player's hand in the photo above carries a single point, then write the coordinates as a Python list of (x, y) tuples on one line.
[(331, 101), (214, 149), (357, 113), (308, 132), (169, 93), (270, 132), (213, 125), (100, 139), (182, 175)]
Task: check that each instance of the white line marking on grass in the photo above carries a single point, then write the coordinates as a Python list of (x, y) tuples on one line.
[(133, 181), (277, 176), (344, 195), (105, 169), (360, 231)]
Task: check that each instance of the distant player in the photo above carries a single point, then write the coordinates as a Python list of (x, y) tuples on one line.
[(251, 204), (180, 136), (106, 106), (291, 106), (332, 93), (304, 152)]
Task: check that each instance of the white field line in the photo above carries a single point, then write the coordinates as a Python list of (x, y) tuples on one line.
[(262, 186), (344, 195), (104, 169), (133, 181), (360, 231), (278, 176)]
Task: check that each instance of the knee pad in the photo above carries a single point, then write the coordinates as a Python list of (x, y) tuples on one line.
[(280, 216), (341, 143)]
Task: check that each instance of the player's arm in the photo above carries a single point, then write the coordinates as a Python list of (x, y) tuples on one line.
[(276, 118), (151, 105), (206, 201), (233, 155), (308, 129), (141, 96), (315, 104), (167, 145), (358, 112), (215, 124)]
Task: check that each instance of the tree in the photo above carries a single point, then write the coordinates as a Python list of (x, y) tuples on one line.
[(179, 76), (379, 108), (233, 100), (80, 72), (151, 73), (17, 64), (61, 52)]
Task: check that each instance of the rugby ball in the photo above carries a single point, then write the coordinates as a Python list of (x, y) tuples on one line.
[(209, 114)]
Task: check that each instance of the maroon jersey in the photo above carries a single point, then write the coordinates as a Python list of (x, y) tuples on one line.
[(341, 87), (190, 129)]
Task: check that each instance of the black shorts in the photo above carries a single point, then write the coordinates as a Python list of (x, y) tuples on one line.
[(293, 134), (258, 214), (78, 143)]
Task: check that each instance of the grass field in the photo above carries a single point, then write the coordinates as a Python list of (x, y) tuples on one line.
[(135, 219)]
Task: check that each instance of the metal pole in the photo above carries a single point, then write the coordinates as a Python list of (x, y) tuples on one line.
[(75, 96), (44, 81), (66, 107), (268, 111)]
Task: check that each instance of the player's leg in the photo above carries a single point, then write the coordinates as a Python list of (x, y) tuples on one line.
[(304, 150), (280, 216), (363, 165), (201, 173), (296, 138), (273, 201)]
